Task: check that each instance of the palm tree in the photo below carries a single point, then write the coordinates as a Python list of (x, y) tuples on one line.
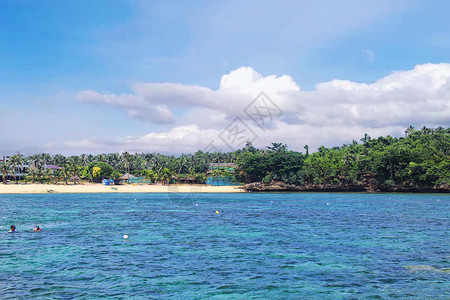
[(126, 159), (192, 174), (365, 139), (440, 129), (101, 157), (113, 159), (64, 174), (426, 130), (150, 175), (200, 177), (155, 177), (40, 175), (45, 158), (73, 168), (15, 161), (49, 175), (75, 175), (57, 175), (409, 130), (4, 168), (86, 174), (166, 175), (46, 175), (64, 162), (33, 172), (84, 160), (35, 161), (35, 165)]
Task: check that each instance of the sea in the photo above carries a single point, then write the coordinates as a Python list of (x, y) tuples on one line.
[(225, 246)]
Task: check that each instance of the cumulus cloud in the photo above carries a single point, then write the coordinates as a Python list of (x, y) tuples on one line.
[(421, 95), (156, 102), (335, 112)]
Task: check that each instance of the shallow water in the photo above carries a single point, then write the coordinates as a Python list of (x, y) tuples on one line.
[(276, 246)]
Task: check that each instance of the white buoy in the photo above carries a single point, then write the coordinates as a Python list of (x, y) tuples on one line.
[(125, 236), (196, 204), (328, 203)]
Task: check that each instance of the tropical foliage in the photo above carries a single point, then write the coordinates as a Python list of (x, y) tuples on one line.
[(420, 159)]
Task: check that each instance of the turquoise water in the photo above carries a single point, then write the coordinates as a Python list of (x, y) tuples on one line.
[(276, 246)]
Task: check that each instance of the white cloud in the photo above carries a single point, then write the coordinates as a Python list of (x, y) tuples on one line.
[(421, 95), (179, 139), (156, 102), (334, 113), (136, 105), (191, 138)]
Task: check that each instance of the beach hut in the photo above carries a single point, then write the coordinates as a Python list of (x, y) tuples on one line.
[(228, 167), (75, 179), (108, 182), (185, 179), (126, 177), (221, 174)]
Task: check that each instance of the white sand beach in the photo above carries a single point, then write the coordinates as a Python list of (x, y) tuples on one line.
[(37, 188)]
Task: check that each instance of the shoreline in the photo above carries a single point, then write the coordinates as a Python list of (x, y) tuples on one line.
[(38, 188), (282, 187)]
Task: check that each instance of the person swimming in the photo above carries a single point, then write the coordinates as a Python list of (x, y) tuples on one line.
[(13, 228), (36, 228)]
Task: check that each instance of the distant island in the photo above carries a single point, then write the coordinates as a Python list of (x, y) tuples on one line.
[(418, 162)]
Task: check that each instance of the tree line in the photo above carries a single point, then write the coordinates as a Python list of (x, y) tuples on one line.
[(153, 166), (420, 159)]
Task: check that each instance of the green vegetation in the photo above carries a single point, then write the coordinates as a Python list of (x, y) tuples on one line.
[(420, 159), (99, 170)]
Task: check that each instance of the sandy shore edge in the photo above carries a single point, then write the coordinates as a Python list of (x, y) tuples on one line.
[(12, 188)]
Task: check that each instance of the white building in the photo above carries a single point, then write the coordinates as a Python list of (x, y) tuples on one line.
[(4, 158), (20, 171)]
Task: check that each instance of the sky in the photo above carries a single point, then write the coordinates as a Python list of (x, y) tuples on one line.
[(180, 76)]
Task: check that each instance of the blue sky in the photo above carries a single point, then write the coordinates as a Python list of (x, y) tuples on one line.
[(50, 51)]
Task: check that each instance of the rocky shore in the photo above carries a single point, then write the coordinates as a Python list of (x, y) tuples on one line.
[(283, 187)]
